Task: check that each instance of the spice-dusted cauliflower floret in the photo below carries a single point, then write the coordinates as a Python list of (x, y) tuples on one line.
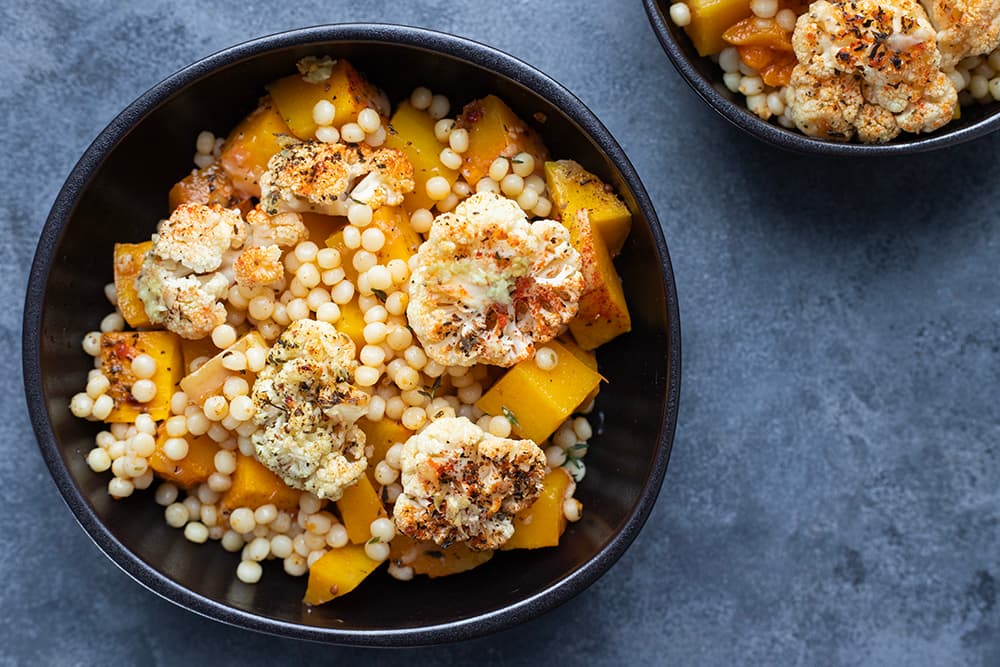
[(965, 27), (307, 407), (488, 285), (868, 68), (184, 275), (461, 484), (326, 178), (260, 263)]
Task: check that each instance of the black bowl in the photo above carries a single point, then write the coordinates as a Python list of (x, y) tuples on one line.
[(117, 192), (705, 77)]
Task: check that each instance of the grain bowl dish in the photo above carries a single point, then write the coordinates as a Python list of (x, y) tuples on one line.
[(363, 334), (843, 70)]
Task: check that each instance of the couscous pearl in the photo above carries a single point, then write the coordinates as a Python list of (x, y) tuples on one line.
[(143, 444), (398, 269), (242, 520), (393, 455), (319, 523), (81, 405), (369, 120), (297, 309), (979, 86), (376, 408), (193, 505), (235, 386), (542, 208), (112, 322), (384, 474), (337, 537), (957, 80), (105, 404), (216, 408), (433, 369), (256, 358), (415, 397), (342, 292), (281, 546), (223, 336), (377, 138), (372, 355), (366, 376), (523, 164), (245, 446), (328, 312), (98, 460), (232, 541), (775, 104), (366, 302), (746, 70), (421, 220), (352, 133), (394, 408), (166, 494), (328, 258), (175, 449), (249, 572), (994, 88), (308, 276), (205, 143), (143, 481), (786, 19), (536, 183), (392, 492), (443, 128), (234, 361), (680, 14), (178, 403), (420, 98), (414, 418), (198, 424), (565, 436), (377, 551), (555, 456), (372, 239), (751, 85), (317, 297), (487, 184), (765, 9), (259, 549), (470, 394), (499, 426), (512, 185), (407, 378), (314, 556), (145, 424), (117, 450), (383, 529), (143, 390), (92, 343), (359, 215), (546, 358), (120, 488), (119, 467), (206, 495), (438, 188), (400, 337), (295, 565), (176, 515), (375, 332), (458, 140), (415, 357), (265, 514), (242, 408), (376, 313), (439, 107), (732, 81), (572, 509), (323, 112), (450, 159), (582, 428), (528, 199), (105, 439), (461, 189), (143, 366), (400, 572), (729, 59), (209, 515), (218, 433), (578, 470), (314, 542)]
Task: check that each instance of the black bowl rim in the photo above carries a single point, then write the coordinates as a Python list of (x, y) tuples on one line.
[(76, 183), (789, 139)]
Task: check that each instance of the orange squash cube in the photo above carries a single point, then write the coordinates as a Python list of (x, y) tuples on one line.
[(209, 378), (711, 18), (193, 469), (337, 573), (572, 188), (538, 401), (401, 242), (210, 185), (128, 263), (118, 349), (358, 507), (381, 435), (412, 131), (495, 131), (434, 561), (321, 226), (348, 91), (250, 146), (542, 524), (254, 485)]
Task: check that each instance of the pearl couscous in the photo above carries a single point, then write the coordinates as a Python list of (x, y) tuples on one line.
[(851, 69), (358, 337)]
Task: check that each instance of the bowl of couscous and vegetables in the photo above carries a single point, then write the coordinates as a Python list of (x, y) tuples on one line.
[(841, 77), (321, 348)]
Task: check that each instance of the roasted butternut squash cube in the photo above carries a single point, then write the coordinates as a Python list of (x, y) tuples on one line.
[(572, 188), (195, 348), (128, 263), (381, 435), (118, 349), (348, 91), (320, 226), (603, 313), (251, 144), (430, 559), (352, 323), (588, 357), (412, 131), (401, 241), (537, 401), (254, 485), (495, 131), (209, 378), (542, 524), (358, 507), (336, 241), (210, 185), (711, 18), (337, 573), (193, 469)]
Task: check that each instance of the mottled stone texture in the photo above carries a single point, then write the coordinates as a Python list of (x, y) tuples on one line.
[(832, 497)]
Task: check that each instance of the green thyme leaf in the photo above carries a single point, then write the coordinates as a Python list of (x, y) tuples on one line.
[(382, 296), (511, 417)]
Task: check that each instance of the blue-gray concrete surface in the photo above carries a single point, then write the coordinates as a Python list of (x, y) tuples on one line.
[(833, 494)]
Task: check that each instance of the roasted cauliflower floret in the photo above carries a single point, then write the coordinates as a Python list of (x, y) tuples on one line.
[(184, 275), (488, 285), (965, 27), (868, 68), (326, 178), (260, 263), (307, 407), (461, 484)]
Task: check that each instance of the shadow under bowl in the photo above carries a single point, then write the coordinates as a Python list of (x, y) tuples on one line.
[(117, 193)]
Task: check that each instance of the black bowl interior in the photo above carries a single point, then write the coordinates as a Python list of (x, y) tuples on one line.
[(705, 77), (118, 192)]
